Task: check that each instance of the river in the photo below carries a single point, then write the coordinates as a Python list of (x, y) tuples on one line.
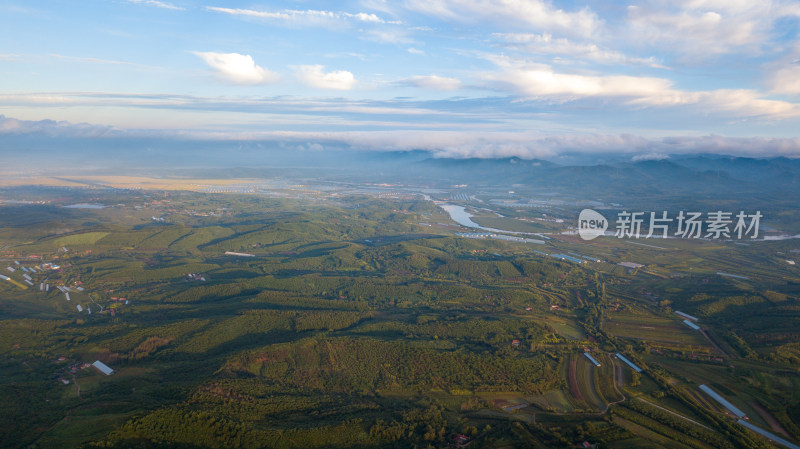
[(462, 217)]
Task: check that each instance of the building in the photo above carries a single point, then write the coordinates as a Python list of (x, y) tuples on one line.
[(768, 435), (724, 402), (592, 359), (461, 440), (685, 315), (632, 265), (232, 253), (103, 368), (629, 363), (692, 325)]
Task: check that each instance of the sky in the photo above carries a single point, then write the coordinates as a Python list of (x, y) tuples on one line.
[(463, 78)]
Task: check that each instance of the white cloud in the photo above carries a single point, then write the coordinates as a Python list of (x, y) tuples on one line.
[(744, 146), (546, 44), (238, 68), (415, 51), (434, 82), (157, 4), (540, 81), (54, 128), (383, 6), (707, 27), (463, 144), (309, 16), (540, 14), (93, 60), (739, 102), (310, 147), (364, 17), (393, 35), (315, 76), (295, 107), (786, 80), (250, 13), (370, 26), (650, 157)]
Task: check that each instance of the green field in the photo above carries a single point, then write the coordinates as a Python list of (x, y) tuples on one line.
[(655, 329)]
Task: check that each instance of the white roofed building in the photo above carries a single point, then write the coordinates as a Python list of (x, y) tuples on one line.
[(103, 368)]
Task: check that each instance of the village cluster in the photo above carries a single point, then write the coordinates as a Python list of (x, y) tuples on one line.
[(47, 275)]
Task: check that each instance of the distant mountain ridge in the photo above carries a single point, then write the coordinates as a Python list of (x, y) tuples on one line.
[(679, 175), (607, 174)]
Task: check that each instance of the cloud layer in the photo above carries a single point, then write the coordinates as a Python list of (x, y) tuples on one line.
[(461, 144), (482, 77)]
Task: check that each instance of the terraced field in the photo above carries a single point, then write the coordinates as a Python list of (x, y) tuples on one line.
[(583, 382)]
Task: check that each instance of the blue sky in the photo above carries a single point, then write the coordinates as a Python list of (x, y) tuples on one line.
[(530, 78)]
